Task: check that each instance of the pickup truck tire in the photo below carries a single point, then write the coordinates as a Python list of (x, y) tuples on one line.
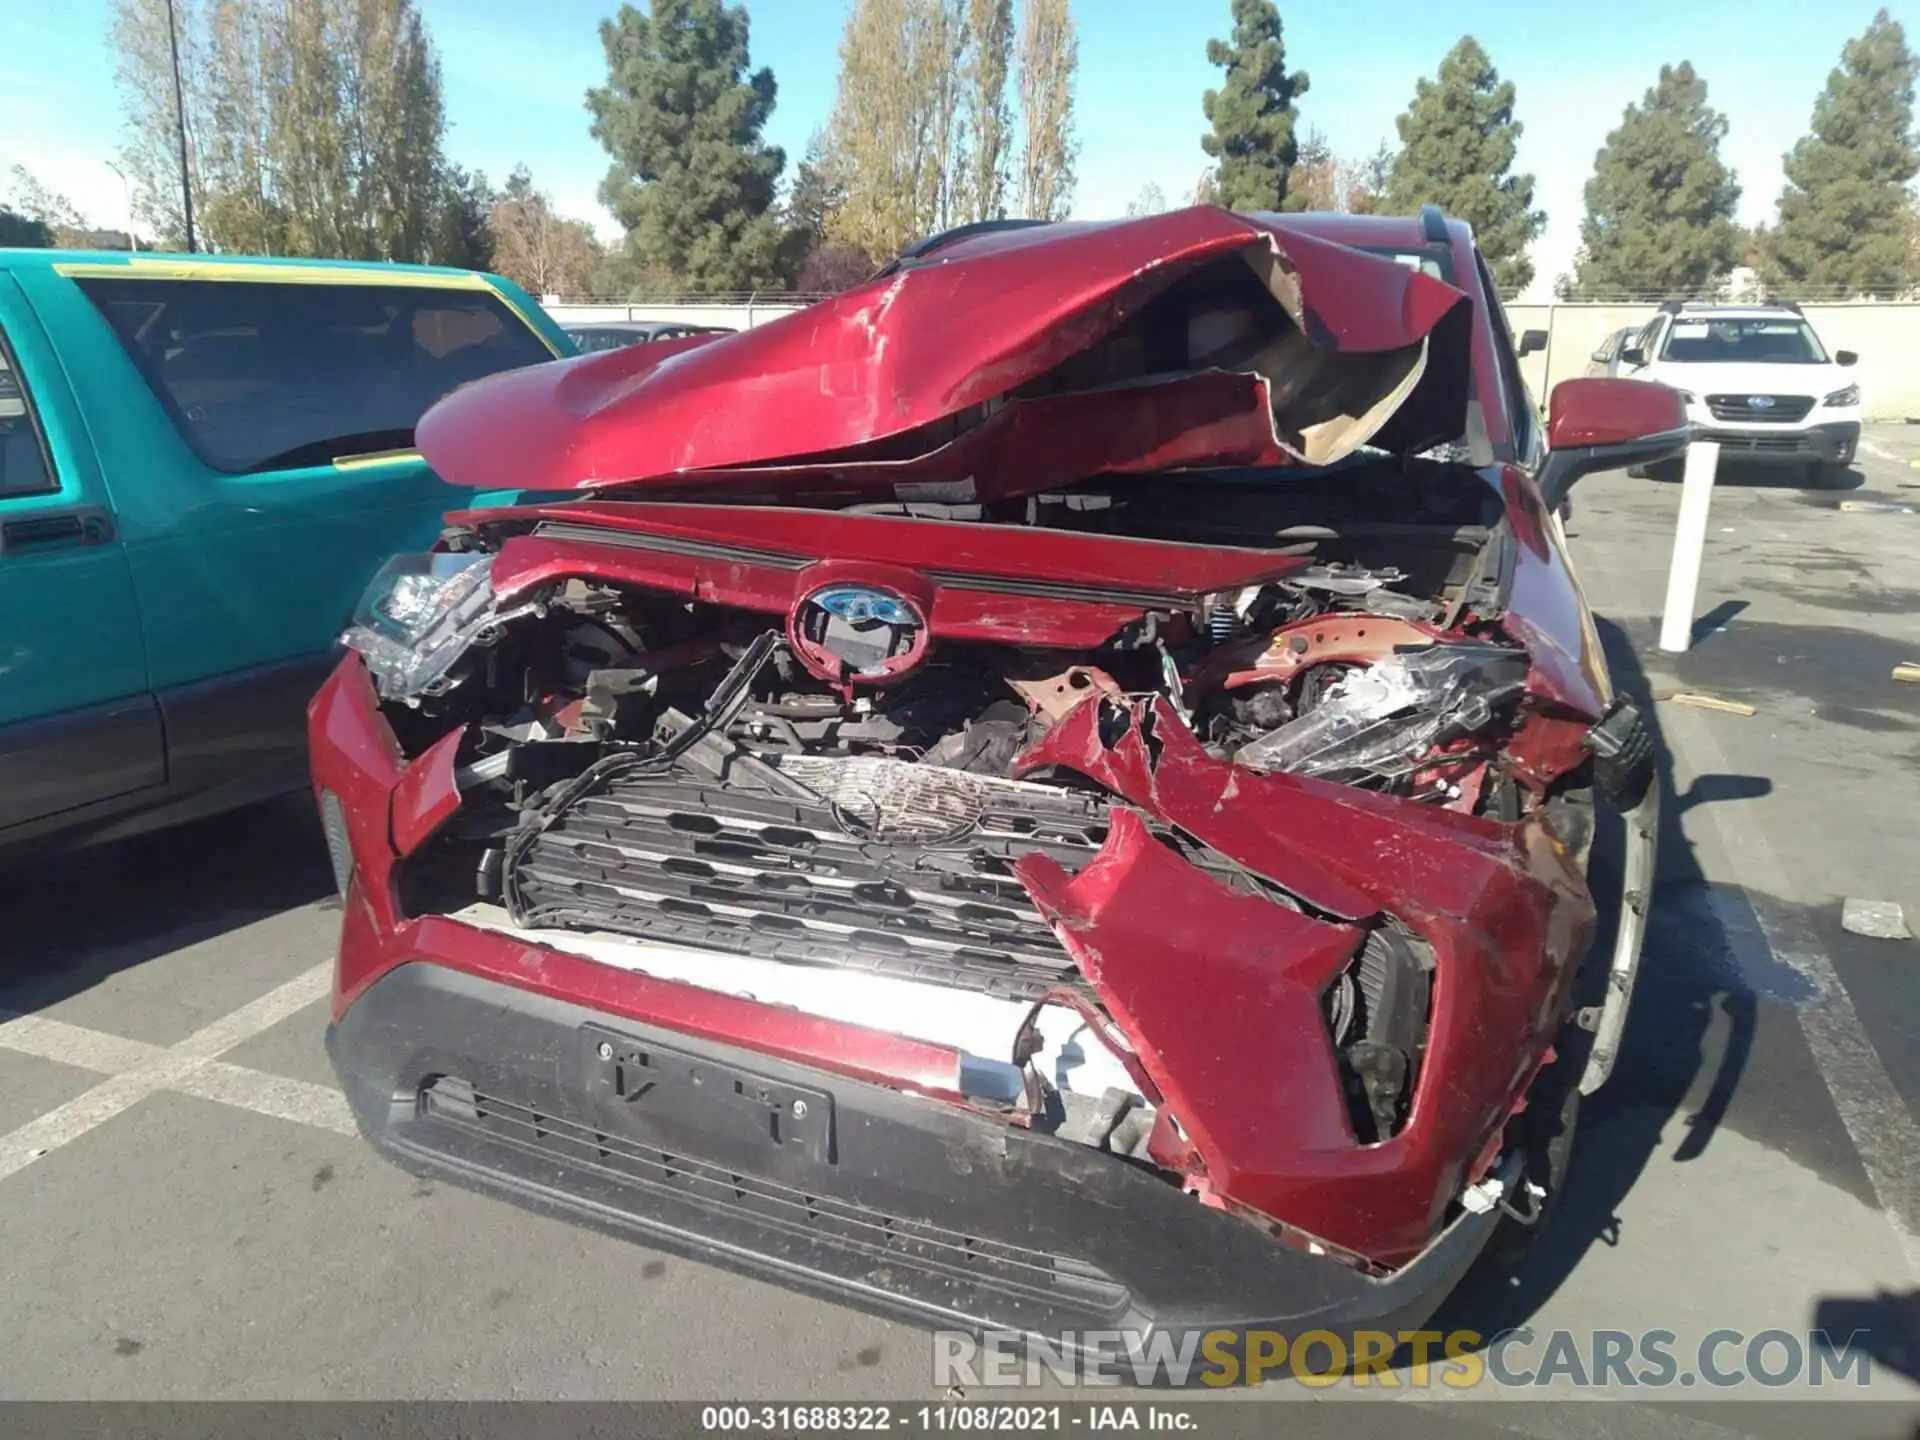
[(1824, 476)]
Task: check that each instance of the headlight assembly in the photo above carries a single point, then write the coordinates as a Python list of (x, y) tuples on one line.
[(418, 617), (1848, 396)]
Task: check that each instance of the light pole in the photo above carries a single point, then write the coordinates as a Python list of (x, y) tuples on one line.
[(133, 240), (180, 118)]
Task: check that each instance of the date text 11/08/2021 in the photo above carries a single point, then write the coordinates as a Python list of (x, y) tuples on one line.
[(947, 1417)]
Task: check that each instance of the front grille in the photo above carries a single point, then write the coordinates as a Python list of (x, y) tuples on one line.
[(1729, 441), (676, 858), (887, 1239), (901, 869), (1784, 409)]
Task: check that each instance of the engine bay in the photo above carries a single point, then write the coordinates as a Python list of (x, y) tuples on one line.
[(844, 787)]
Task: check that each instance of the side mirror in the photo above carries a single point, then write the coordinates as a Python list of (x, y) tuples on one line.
[(1603, 423), (1845, 357), (1532, 340), (1600, 356), (1633, 355)]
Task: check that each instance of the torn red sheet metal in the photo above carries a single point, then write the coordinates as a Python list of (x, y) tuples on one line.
[(1502, 906), (927, 351), (1154, 935)]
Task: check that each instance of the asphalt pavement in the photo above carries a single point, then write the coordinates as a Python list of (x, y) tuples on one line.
[(185, 1213)]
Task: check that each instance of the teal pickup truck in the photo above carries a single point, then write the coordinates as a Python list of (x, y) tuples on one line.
[(202, 462)]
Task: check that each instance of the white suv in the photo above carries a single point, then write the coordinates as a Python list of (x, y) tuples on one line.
[(1757, 379)]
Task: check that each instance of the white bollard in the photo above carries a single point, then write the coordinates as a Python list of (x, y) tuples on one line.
[(1689, 545)]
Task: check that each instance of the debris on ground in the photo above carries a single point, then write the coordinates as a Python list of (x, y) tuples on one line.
[(1877, 919), (1908, 671), (1709, 702), (1877, 507)]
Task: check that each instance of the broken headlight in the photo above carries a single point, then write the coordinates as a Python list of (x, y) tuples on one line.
[(1381, 721), (418, 617)]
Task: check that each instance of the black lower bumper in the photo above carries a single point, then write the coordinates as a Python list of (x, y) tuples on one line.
[(1834, 444), (899, 1204)]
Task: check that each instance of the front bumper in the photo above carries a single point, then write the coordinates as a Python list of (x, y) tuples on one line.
[(898, 1203), (1835, 443)]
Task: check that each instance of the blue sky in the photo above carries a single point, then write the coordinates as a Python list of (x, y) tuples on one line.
[(515, 74)]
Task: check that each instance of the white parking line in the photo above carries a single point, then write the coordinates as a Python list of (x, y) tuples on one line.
[(191, 1067), (1876, 451), (1870, 1107)]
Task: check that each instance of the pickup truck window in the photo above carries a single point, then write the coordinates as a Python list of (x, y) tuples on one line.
[(23, 459), (264, 375)]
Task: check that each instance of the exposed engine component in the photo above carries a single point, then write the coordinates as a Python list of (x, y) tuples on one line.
[(1381, 721), (1377, 1013)]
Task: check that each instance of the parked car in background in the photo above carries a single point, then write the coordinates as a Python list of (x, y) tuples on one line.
[(1079, 821), (592, 336), (1606, 359), (201, 461), (1757, 380)]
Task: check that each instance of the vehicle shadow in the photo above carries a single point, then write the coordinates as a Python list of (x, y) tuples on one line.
[(1886, 1326), (1688, 1039), (74, 921)]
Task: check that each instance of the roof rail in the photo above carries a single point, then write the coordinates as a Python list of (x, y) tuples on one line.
[(920, 249), (1433, 224)]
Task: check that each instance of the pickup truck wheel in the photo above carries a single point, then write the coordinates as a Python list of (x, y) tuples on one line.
[(1667, 472), (1823, 476)]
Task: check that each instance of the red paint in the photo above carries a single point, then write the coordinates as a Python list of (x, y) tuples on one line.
[(426, 796), (376, 938), (1506, 914), (884, 387), (912, 352), (1603, 410), (1158, 940), (955, 571)]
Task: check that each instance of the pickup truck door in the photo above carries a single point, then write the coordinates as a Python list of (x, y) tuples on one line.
[(78, 725), (249, 548)]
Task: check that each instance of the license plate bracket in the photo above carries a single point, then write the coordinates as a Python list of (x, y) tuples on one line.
[(670, 1093)]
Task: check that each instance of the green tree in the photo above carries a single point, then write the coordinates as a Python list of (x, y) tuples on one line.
[(1049, 63), (1367, 189), (312, 128), (1457, 142), (538, 248), (463, 235), (52, 211), (1252, 113), (23, 230), (1844, 213), (692, 181), (988, 132), (1661, 201)]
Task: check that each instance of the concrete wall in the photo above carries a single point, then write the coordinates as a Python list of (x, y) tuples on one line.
[(736, 316), (1885, 335)]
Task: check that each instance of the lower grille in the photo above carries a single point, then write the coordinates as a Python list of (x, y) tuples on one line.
[(887, 1239), (1761, 444), (1780, 409)]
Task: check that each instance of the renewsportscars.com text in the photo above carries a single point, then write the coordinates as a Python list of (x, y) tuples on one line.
[(1457, 1359)]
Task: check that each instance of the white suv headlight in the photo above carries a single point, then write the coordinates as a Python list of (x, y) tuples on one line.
[(418, 617), (1848, 396)]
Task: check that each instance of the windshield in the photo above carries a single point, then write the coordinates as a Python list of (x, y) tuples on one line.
[(1768, 341), (274, 374)]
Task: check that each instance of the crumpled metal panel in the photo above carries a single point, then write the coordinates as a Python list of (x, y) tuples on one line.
[(905, 358)]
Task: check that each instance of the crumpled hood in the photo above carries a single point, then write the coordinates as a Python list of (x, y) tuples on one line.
[(1198, 337)]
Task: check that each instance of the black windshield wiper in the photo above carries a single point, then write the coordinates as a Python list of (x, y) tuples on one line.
[(335, 447)]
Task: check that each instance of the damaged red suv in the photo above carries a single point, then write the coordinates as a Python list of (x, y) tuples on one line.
[(1050, 791)]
